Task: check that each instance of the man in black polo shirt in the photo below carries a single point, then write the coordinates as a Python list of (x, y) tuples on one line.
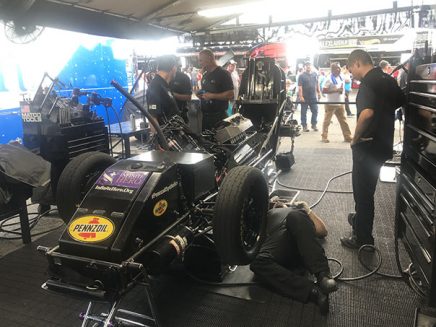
[(182, 91), (378, 97), (216, 90), (160, 101)]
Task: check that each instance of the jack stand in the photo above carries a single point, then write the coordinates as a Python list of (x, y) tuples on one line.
[(117, 317)]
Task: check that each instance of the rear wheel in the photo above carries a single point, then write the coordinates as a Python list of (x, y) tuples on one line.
[(239, 223), (78, 176)]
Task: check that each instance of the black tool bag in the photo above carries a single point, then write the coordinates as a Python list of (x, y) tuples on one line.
[(19, 165)]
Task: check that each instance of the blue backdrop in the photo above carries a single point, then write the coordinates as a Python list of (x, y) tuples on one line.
[(90, 70)]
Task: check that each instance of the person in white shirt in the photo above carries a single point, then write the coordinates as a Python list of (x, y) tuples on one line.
[(231, 68), (334, 89)]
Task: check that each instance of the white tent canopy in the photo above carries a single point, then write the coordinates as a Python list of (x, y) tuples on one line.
[(155, 19)]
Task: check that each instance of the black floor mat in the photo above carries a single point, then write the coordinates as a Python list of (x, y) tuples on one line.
[(181, 302)]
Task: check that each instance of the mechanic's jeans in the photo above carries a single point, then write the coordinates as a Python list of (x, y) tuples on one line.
[(283, 269), (313, 108), (366, 169)]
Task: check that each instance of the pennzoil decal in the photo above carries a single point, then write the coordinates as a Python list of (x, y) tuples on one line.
[(160, 207), (91, 229)]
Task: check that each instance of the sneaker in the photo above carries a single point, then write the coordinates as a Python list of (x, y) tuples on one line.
[(305, 129), (348, 140), (325, 140), (315, 128), (351, 115)]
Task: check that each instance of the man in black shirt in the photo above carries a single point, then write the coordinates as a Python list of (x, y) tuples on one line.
[(309, 93), (160, 101), (182, 91), (216, 90), (290, 250), (378, 97)]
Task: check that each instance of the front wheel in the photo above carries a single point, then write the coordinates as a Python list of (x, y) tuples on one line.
[(239, 223), (76, 180)]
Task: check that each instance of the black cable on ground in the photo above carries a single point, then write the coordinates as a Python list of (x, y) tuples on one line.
[(32, 223), (374, 271)]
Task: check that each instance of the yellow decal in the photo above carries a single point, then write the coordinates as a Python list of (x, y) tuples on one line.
[(91, 229), (160, 207)]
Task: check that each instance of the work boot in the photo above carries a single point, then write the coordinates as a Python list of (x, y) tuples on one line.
[(352, 242), (315, 128), (326, 283), (320, 299)]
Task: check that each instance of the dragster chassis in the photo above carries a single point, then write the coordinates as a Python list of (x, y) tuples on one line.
[(132, 272)]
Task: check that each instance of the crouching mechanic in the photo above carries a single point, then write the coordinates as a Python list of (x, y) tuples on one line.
[(290, 250)]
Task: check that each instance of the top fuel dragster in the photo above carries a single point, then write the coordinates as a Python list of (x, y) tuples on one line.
[(130, 219)]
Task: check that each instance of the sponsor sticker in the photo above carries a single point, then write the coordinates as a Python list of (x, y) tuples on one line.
[(91, 229), (114, 189), (164, 190), (31, 117), (160, 207), (113, 180)]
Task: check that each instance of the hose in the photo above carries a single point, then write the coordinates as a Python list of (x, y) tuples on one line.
[(316, 190), (161, 136), (374, 271)]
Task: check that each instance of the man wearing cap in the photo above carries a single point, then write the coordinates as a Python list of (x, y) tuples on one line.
[(334, 88), (309, 92), (378, 98), (160, 100), (216, 90)]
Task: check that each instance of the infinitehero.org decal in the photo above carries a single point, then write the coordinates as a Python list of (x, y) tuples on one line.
[(160, 207), (91, 229)]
